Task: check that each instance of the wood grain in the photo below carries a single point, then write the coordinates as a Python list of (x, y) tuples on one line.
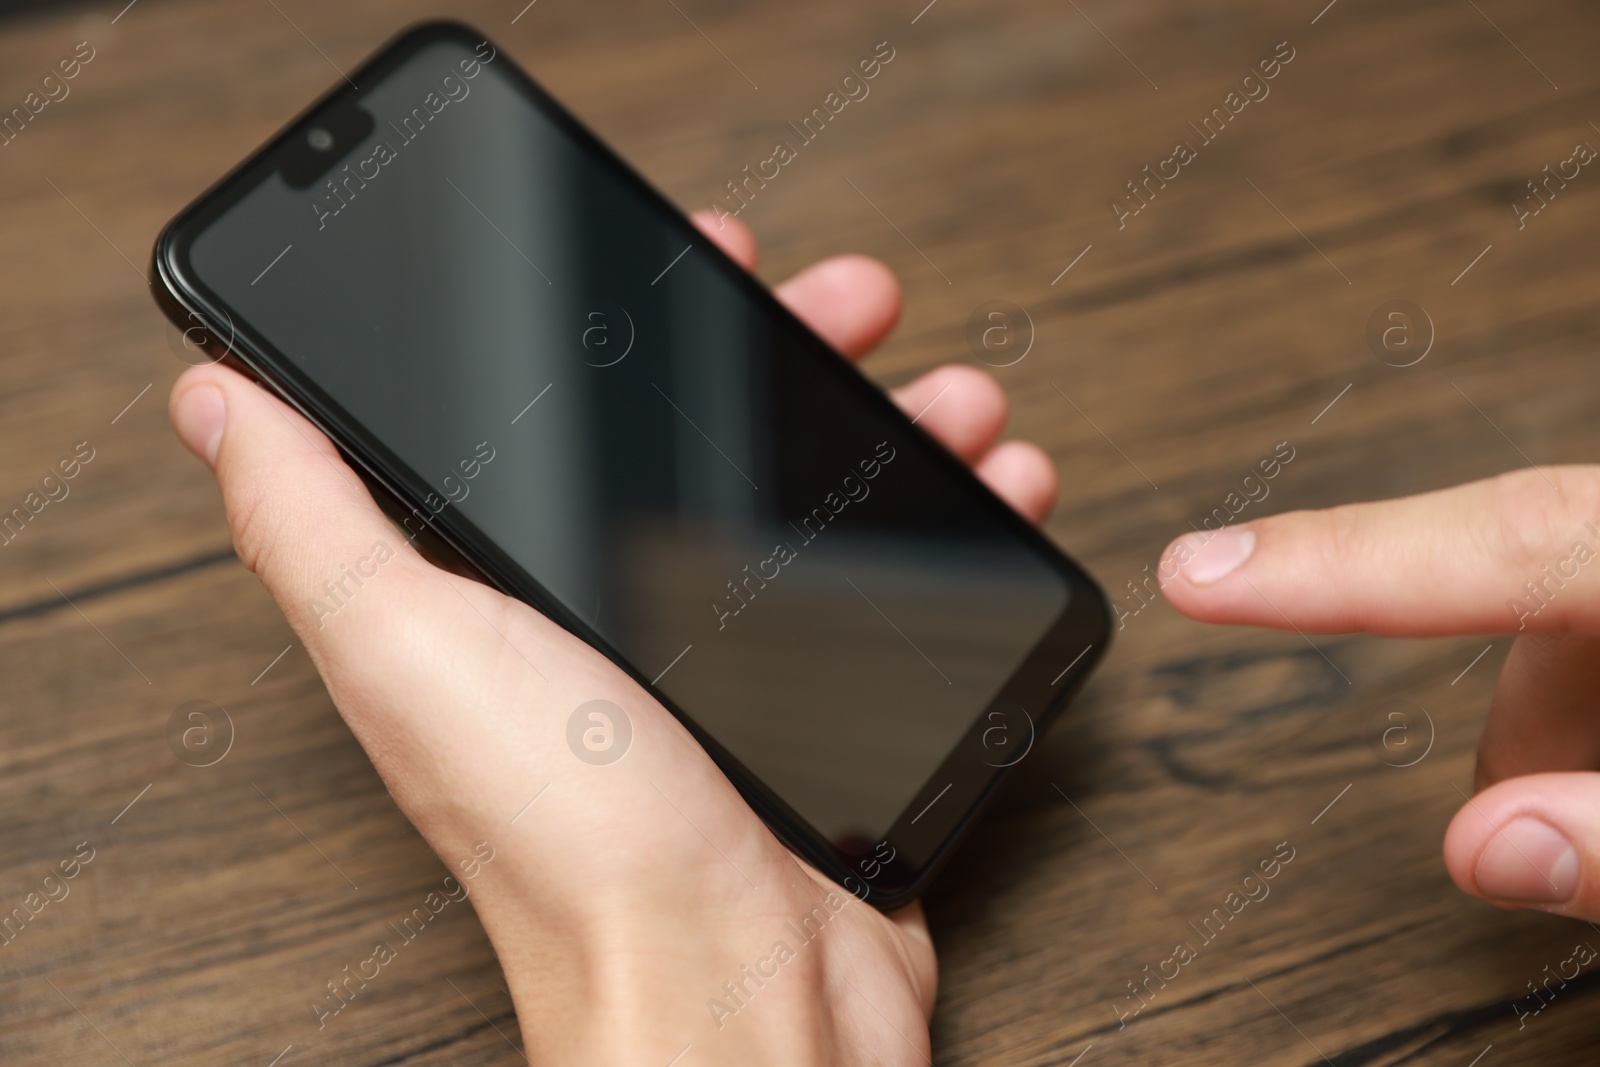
[(1221, 320)]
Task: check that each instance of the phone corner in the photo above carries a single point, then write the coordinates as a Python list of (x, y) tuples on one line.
[(892, 902), (163, 287), (435, 29)]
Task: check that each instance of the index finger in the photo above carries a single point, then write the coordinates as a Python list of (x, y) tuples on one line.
[(1509, 553)]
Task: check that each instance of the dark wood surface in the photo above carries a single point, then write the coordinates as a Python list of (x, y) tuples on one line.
[(1198, 337)]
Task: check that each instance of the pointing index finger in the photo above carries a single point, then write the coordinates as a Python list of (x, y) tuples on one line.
[(1509, 553)]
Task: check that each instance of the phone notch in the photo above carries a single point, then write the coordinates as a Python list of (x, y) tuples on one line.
[(316, 145)]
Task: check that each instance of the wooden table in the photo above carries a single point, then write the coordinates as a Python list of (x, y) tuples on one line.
[(1229, 315)]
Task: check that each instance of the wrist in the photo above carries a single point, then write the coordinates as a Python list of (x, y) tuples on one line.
[(640, 980)]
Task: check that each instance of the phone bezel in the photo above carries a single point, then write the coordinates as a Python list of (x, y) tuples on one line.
[(1041, 687)]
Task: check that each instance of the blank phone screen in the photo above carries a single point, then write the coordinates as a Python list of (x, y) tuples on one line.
[(564, 366)]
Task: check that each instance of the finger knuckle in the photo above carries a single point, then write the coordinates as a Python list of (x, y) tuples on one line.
[(1348, 536), (252, 523), (1539, 512)]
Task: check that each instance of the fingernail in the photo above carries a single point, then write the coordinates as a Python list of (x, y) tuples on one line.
[(1207, 559), (199, 416), (1528, 860)]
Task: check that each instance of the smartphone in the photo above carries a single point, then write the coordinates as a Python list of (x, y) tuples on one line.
[(548, 373)]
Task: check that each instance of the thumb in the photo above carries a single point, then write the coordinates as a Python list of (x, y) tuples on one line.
[(1531, 842), (301, 520)]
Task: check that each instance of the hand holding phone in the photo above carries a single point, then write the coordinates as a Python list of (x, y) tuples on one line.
[(864, 638), (462, 697)]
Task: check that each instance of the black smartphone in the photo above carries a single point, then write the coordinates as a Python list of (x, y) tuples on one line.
[(547, 369)]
